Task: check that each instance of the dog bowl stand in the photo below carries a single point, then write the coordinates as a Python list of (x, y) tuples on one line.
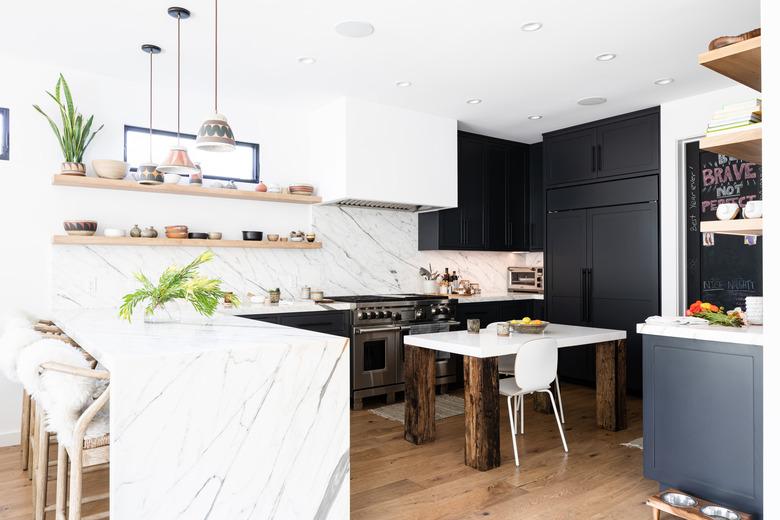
[(687, 513)]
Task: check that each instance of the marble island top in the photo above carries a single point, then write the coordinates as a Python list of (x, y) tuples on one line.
[(750, 335)]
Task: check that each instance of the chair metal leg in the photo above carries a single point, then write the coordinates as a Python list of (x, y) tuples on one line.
[(516, 404), (560, 399), (512, 425), (522, 415), (558, 420), (62, 482)]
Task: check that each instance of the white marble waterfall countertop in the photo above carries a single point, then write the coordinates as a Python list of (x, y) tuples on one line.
[(497, 297), (283, 307), (750, 335), (222, 418)]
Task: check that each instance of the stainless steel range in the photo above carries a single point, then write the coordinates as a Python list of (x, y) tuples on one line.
[(379, 324)]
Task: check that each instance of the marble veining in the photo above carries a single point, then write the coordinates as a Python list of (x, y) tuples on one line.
[(750, 335), (364, 251), (222, 418)]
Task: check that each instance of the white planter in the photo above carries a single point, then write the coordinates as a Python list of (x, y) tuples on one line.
[(430, 286)]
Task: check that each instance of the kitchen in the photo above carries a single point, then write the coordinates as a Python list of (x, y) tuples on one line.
[(567, 212)]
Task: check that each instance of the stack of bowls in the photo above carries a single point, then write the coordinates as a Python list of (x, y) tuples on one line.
[(300, 188), (754, 309), (176, 231)]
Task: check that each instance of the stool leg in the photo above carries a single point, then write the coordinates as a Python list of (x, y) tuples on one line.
[(41, 475), (76, 471), (24, 441), (32, 439), (62, 481), (656, 514)]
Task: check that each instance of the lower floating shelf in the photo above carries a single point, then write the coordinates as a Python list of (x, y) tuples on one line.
[(743, 144), (742, 227), (183, 242)]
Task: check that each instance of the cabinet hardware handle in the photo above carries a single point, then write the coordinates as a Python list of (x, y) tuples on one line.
[(593, 158), (599, 158), (583, 295), (590, 295)]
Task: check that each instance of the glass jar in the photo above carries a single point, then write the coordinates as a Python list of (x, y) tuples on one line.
[(168, 312)]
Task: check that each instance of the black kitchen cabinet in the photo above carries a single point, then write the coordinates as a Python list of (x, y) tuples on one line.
[(621, 145), (602, 270), (485, 312), (492, 212), (327, 322), (536, 211), (515, 310), (537, 308)]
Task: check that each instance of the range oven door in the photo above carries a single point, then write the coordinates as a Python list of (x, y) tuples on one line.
[(445, 362), (377, 352)]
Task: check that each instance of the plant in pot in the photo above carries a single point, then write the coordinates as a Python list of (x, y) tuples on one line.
[(75, 136), (175, 284), (430, 280)]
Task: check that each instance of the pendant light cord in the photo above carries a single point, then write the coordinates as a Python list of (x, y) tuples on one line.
[(178, 80), (216, 39), (151, 82)]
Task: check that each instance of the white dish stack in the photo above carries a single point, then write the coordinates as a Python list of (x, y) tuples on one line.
[(754, 309)]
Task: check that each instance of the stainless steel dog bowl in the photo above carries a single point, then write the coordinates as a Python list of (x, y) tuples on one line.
[(719, 513), (678, 500)]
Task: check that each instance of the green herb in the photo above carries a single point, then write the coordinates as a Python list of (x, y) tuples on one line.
[(720, 318), (75, 134), (177, 284)]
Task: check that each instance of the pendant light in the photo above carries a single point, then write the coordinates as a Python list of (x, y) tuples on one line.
[(178, 160), (215, 134), (147, 172)]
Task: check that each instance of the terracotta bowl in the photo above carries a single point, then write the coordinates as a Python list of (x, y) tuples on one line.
[(84, 228), (176, 234), (177, 228)]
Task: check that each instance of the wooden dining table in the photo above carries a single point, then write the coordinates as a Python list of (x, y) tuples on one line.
[(480, 375)]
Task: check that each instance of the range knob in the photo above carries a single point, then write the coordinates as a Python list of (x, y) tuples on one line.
[(443, 310), (419, 313), (372, 315), (397, 316), (387, 314), (362, 316)]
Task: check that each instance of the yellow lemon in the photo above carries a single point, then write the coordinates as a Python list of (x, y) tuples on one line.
[(526, 320)]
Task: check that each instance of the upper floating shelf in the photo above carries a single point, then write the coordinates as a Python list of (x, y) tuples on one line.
[(742, 144), (181, 189), (740, 226), (740, 61), (128, 241)]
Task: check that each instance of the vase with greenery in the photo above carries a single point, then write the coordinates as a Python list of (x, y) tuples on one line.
[(175, 285), (76, 133)]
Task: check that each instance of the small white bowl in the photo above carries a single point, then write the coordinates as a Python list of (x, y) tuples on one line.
[(753, 209), (727, 211), (114, 233), (172, 178)]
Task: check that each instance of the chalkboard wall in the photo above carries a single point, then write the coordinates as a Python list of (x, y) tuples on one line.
[(722, 269)]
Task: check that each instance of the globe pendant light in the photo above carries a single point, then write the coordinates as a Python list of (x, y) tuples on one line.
[(178, 160), (215, 134), (147, 172)]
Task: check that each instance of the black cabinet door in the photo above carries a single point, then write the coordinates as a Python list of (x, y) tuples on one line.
[(565, 277), (450, 229), (623, 274), (496, 178), (535, 198), (630, 146), (538, 310), (570, 156), (471, 192), (486, 313), (516, 197), (515, 310)]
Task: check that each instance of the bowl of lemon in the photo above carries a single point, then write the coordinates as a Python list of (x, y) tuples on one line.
[(528, 326)]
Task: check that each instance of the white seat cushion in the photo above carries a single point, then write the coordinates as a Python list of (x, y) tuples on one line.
[(508, 386)]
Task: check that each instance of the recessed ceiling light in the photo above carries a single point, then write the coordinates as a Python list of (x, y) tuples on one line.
[(353, 29), (474, 101), (534, 118), (403, 83), (664, 81), (592, 101), (307, 60), (531, 26), (607, 56)]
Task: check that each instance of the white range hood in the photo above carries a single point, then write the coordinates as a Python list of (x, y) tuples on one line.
[(381, 157)]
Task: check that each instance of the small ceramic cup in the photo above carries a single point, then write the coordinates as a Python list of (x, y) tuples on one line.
[(753, 209), (473, 325), (727, 211), (272, 237), (317, 295), (502, 328)]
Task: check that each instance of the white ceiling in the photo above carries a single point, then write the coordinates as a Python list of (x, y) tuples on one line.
[(451, 50)]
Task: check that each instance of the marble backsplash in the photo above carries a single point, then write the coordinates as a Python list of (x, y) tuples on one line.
[(364, 252)]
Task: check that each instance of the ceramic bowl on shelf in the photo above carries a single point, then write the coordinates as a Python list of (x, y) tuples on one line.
[(252, 235), (172, 178), (273, 237), (274, 188), (215, 235), (198, 236), (176, 235), (283, 239), (753, 209), (82, 228), (110, 169), (310, 237), (147, 174), (114, 233), (301, 188), (176, 229), (727, 211)]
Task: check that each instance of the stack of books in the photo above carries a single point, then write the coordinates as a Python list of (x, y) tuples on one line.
[(735, 115)]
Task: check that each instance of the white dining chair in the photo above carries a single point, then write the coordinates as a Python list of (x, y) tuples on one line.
[(535, 365), (506, 366)]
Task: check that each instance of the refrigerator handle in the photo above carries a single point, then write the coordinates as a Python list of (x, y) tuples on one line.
[(589, 283), (584, 295)]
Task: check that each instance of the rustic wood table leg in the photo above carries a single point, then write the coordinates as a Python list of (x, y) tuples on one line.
[(542, 402), (420, 394), (611, 409), (483, 448)]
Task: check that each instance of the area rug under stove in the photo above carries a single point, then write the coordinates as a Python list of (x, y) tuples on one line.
[(636, 443), (446, 406)]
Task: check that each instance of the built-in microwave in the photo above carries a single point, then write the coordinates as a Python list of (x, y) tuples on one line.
[(525, 279)]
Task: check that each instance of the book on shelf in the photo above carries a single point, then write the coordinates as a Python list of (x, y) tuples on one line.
[(733, 129), (735, 116)]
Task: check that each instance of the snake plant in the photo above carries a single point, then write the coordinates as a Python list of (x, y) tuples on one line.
[(74, 138)]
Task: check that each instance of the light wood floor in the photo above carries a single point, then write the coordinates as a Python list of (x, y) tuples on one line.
[(392, 479), (598, 478)]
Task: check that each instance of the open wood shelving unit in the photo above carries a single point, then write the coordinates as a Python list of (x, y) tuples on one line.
[(184, 242), (743, 144), (740, 61), (741, 226), (77, 181)]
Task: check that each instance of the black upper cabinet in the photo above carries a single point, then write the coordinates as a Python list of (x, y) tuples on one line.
[(535, 198), (622, 145), (492, 212)]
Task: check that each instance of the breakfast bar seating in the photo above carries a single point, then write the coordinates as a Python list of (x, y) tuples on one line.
[(481, 393)]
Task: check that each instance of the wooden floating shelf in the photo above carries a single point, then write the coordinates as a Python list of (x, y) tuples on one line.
[(740, 61), (742, 227), (183, 242), (181, 189), (742, 144)]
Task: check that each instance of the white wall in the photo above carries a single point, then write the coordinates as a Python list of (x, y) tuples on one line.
[(681, 120)]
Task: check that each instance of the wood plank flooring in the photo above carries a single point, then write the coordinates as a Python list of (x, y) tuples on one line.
[(598, 478), (393, 479)]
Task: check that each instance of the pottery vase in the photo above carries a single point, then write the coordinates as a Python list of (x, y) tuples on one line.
[(149, 232), (430, 287), (135, 231), (261, 187), (73, 168)]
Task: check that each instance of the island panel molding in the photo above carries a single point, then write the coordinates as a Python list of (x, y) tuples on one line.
[(181, 189), (180, 242)]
